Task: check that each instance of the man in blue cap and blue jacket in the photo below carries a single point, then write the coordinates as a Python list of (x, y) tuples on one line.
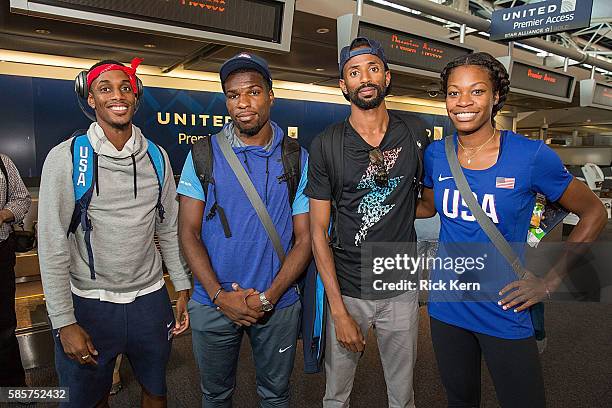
[(243, 284)]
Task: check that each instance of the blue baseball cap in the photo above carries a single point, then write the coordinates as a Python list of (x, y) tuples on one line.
[(245, 60), (372, 47)]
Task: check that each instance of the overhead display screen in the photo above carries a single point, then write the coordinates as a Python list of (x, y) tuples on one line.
[(595, 94), (542, 81), (251, 18), (603, 95), (413, 51), (255, 24)]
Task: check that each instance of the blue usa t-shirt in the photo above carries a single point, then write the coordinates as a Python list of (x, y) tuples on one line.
[(247, 257), (506, 191)]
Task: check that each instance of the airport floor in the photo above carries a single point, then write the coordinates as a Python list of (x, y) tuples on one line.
[(577, 368)]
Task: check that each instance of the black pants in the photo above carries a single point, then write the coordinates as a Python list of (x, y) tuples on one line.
[(11, 370), (514, 366)]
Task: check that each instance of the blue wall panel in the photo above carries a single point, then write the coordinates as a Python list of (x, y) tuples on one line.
[(39, 113)]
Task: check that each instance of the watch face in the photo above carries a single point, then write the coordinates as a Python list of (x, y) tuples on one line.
[(266, 306)]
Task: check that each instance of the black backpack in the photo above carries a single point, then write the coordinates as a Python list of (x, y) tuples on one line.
[(332, 146), (202, 157)]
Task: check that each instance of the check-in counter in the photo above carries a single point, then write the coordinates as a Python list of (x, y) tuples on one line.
[(590, 164), (579, 155)]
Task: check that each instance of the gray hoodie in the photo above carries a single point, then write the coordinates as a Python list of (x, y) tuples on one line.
[(124, 224)]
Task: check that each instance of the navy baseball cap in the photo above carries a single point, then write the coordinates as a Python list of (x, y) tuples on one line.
[(372, 47), (244, 60)]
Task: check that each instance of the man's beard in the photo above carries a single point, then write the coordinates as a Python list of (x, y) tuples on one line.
[(250, 131), (121, 126), (115, 124), (369, 103)]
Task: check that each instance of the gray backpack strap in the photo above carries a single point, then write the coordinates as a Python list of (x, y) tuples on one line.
[(251, 192), (484, 221)]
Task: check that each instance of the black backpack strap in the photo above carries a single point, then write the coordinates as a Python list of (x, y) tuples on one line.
[(6, 178), (332, 148), (418, 132), (201, 154), (291, 153)]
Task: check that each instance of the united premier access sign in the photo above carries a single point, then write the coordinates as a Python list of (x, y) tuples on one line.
[(538, 19)]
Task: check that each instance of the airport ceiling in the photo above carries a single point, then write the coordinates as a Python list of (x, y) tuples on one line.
[(312, 60), (313, 56)]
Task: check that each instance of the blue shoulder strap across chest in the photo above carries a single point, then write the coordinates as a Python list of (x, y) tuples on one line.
[(159, 164), (85, 179)]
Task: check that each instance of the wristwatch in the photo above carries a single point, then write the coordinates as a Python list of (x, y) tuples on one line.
[(266, 306)]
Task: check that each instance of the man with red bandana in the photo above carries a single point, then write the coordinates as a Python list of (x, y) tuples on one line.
[(120, 305)]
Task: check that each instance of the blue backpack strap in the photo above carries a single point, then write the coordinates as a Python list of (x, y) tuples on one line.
[(314, 318), (159, 165), (84, 163)]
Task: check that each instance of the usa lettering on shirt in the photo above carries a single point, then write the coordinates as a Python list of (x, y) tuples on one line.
[(452, 209)]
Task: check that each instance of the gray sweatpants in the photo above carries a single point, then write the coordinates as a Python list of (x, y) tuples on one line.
[(395, 321)]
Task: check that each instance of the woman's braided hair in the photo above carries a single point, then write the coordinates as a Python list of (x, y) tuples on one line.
[(497, 74)]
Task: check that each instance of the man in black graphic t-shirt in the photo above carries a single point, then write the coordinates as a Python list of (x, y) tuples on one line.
[(380, 162), (367, 212)]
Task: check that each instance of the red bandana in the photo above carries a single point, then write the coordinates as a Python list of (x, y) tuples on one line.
[(130, 71)]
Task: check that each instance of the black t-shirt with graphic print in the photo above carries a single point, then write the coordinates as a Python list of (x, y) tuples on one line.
[(369, 214)]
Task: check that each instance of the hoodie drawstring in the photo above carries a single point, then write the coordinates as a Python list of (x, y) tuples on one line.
[(96, 180), (246, 163), (267, 176), (134, 171)]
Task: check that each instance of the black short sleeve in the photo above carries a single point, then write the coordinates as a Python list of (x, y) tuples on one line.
[(319, 184)]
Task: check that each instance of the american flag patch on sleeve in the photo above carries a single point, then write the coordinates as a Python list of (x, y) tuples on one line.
[(504, 182)]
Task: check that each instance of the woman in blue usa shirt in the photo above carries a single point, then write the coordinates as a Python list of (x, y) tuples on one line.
[(505, 171)]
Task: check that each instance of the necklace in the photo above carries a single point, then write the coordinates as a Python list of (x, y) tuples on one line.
[(478, 148)]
